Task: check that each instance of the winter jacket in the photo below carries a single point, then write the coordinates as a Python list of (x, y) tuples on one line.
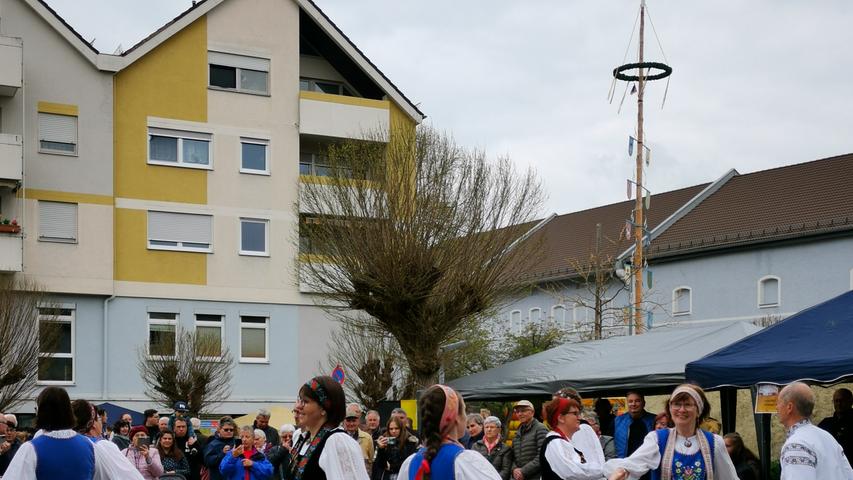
[(182, 466), (272, 434), (7, 457), (525, 447), (390, 459), (121, 441), (194, 454), (472, 440), (500, 457), (280, 458), (232, 467), (622, 427), (213, 454), (151, 468)]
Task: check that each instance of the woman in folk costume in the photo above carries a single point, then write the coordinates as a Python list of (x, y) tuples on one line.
[(684, 452), (559, 458), (328, 451), (443, 421)]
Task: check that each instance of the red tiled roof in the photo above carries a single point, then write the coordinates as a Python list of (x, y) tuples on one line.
[(806, 199)]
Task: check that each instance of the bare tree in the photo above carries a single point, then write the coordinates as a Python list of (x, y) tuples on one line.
[(371, 363), (534, 338), (188, 366), (26, 339), (418, 235)]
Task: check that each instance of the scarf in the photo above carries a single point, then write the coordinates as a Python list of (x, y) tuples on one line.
[(491, 446), (302, 460)]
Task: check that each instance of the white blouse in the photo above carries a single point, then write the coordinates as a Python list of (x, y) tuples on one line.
[(566, 463), (469, 465), (110, 464), (647, 457), (586, 440), (342, 458)]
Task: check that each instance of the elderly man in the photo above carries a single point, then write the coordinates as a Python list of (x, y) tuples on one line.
[(372, 427), (262, 422), (365, 441), (527, 442), (9, 442), (840, 424), (809, 453)]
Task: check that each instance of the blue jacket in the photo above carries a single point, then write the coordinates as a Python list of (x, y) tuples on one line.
[(213, 454), (622, 426), (232, 467)]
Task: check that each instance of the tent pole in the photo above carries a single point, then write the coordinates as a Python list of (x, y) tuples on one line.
[(728, 409), (762, 434)]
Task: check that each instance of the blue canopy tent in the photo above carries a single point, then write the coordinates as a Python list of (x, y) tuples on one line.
[(811, 346), (114, 413)]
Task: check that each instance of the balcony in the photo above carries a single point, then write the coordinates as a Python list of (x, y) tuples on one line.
[(340, 116), (11, 254), (11, 159), (11, 51)]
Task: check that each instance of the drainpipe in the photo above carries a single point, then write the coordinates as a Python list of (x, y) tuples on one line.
[(106, 346)]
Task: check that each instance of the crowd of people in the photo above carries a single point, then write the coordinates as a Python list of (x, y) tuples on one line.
[(331, 439)]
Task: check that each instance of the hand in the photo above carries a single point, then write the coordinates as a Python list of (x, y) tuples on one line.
[(144, 450), (383, 442), (238, 451), (5, 446), (226, 448), (619, 474), (247, 463), (191, 441), (517, 475)]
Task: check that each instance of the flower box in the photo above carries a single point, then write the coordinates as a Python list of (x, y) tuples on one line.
[(10, 228)]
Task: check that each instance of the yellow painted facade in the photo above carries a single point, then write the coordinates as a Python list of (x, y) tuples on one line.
[(135, 263), (168, 82), (58, 108), (71, 197), (344, 100)]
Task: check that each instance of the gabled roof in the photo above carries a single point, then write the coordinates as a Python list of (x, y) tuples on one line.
[(115, 63), (794, 201), (571, 237)]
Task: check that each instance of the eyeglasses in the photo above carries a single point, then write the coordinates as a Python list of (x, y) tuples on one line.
[(227, 429), (682, 405), (576, 413)]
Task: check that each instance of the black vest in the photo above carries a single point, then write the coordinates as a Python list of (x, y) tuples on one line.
[(547, 473), (312, 468)]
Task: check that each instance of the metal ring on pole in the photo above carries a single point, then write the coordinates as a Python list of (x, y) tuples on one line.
[(665, 71)]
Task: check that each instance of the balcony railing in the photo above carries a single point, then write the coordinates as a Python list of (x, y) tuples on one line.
[(340, 116), (11, 55), (11, 255)]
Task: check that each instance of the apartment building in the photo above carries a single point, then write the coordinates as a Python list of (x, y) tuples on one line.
[(158, 189)]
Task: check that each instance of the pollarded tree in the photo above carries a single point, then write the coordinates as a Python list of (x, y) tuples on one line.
[(29, 335), (189, 366), (417, 235)]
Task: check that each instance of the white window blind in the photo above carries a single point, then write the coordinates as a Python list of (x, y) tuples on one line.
[(58, 221), (239, 61), (179, 227), (57, 128)]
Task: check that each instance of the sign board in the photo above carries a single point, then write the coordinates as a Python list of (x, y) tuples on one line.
[(338, 374), (765, 398), (619, 405)]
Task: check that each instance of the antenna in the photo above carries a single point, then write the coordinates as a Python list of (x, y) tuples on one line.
[(644, 73)]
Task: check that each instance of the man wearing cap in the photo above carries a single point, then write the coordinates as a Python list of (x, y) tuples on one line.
[(262, 422), (365, 441), (527, 442), (181, 410)]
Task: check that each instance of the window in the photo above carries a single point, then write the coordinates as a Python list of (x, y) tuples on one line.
[(682, 301), (535, 315), (254, 156), (769, 292), (179, 148), (179, 231), (239, 73), (57, 222), (558, 316), (208, 332), (57, 133), (515, 321), (324, 86), (253, 339), (56, 358), (254, 236), (162, 334)]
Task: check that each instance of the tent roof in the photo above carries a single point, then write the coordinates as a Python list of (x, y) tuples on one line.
[(813, 345), (114, 413), (279, 416), (651, 362)]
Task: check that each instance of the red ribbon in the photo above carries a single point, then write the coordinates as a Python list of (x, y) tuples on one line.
[(424, 468)]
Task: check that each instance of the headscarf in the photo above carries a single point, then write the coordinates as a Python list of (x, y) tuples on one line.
[(445, 425)]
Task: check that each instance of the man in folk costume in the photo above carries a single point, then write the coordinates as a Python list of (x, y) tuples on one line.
[(809, 452)]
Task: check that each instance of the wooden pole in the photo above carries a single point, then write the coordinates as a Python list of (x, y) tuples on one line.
[(637, 267)]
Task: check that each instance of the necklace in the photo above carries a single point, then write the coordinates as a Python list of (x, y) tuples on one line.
[(688, 443)]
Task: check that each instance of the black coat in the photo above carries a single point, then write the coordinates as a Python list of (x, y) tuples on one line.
[(390, 459)]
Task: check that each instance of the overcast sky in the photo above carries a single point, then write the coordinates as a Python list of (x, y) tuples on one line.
[(756, 84)]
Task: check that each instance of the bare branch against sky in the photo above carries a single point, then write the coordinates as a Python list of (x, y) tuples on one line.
[(756, 84)]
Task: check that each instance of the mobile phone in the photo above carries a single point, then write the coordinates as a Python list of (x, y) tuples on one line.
[(143, 442), (392, 441)]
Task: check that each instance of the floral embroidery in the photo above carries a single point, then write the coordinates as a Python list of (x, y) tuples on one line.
[(302, 461), (684, 471)]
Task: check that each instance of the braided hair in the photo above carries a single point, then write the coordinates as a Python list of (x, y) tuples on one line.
[(84, 416), (432, 407)]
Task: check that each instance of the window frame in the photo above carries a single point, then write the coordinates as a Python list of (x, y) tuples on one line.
[(515, 321), (761, 291), (530, 319), (71, 240), (161, 321), (255, 326), (344, 89), (180, 135), (562, 322), (71, 320), (255, 141), (209, 323), (51, 151), (179, 245), (689, 301), (251, 253), (238, 87)]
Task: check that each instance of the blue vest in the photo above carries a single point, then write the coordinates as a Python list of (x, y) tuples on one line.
[(622, 428), (684, 466), (64, 458), (441, 467)]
